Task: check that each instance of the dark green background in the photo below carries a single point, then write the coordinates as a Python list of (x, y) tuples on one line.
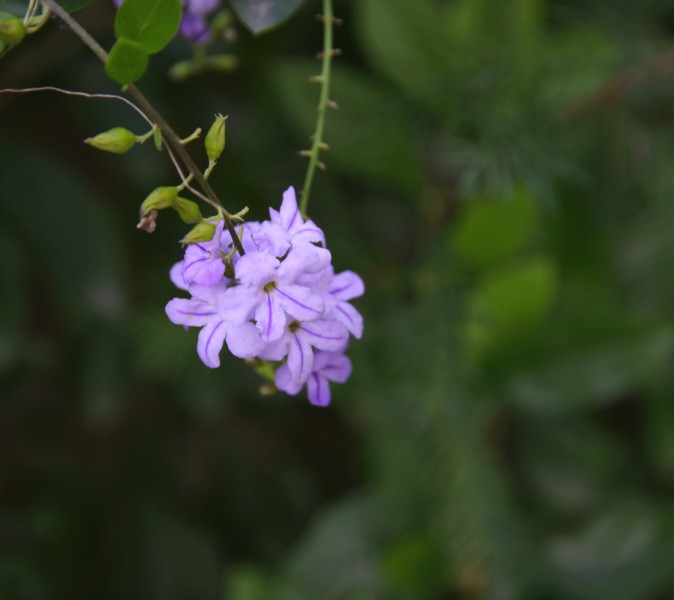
[(502, 176)]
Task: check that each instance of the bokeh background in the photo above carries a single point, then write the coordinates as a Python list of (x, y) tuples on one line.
[(502, 176)]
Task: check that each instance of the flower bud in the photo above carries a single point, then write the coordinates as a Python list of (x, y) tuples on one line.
[(161, 197), (202, 232), (117, 140), (224, 63), (12, 30), (187, 210), (215, 138)]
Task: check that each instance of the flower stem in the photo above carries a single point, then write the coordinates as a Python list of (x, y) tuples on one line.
[(169, 135), (323, 103)]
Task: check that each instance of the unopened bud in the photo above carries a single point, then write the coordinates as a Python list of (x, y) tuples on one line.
[(12, 30), (187, 210), (118, 140), (202, 232), (161, 197), (224, 63), (215, 138)]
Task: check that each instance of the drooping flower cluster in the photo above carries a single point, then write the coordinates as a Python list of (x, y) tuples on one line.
[(281, 301)]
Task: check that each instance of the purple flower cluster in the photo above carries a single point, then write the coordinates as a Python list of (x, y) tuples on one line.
[(281, 301)]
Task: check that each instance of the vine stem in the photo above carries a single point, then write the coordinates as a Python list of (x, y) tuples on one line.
[(323, 103), (169, 135)]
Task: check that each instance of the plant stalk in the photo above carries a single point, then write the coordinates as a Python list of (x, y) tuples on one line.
[(169, 135)]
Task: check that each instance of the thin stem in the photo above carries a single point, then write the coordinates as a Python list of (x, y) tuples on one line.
[(49, 88), (169, 135), (323, 103)]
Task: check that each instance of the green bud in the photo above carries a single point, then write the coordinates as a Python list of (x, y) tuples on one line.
[(224, 63), (12, 30), (118, 140), (202, 232), (215, 138), (187, 210), (161, 197)]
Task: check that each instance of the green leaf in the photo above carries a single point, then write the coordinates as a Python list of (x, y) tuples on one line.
[(262, 15), (150, 23), (19, 7), (126, 62), (508, 304), (493, 228)]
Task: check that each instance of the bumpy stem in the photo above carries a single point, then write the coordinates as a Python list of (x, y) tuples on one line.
[(323, 103), (169, 135)]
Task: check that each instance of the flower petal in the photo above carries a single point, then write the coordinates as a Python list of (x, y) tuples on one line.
[(347, 285), (300, 358), (270, 317), (346, 314), (244, 340), (300, 302), (325, 335), (284, 381), (318, 390), (256, 268), (210, 341), (192, 313), (302, 258), (276, 350), (236, 304), (309, 232), (332, 365), (290, 212), (271, 238), (176, 277)]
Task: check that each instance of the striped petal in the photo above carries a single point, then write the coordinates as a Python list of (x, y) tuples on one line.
[(209, 344)]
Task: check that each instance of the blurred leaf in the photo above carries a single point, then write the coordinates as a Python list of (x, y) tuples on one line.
[(508, 304), (126, 62), (246, 583), (658, 431), (149, 23), (490, 229), (418, 60), (74, 241), (262, 15), (595, 373), (336, 556), (571, 466), (370, 137), (416, 569), (619, 555)]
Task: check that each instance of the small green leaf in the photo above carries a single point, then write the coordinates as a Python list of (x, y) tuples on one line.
[(127, 61), (262, 15), (493, 228), (150, 23)]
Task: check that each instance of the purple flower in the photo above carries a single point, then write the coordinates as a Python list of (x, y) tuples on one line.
[(298, 342), (285, 303), (243, 340), (203, 261), (290, 219), (336, 290), (267, 291), (328, 366)]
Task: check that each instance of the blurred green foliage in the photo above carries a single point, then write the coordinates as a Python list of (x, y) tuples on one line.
[(500, 173)]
